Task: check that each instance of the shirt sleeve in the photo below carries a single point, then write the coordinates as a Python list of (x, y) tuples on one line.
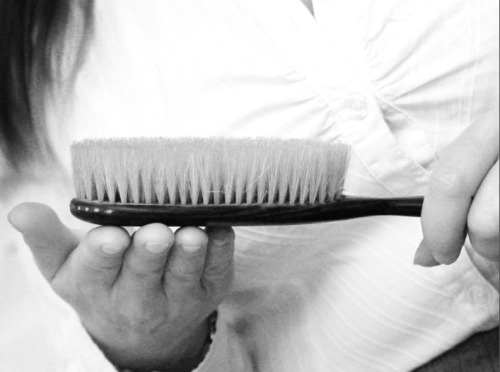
[(228, 352)]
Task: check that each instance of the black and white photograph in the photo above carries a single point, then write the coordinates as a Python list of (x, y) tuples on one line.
[(249, 186)]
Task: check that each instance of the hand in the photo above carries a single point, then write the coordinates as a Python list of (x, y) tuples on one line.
[(463, 200), (145, 300)]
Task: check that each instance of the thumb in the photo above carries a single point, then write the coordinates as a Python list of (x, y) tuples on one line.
[(49, 240)]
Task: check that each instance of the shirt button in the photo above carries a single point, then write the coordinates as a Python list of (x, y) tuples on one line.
[(478, 295), (358, 104)]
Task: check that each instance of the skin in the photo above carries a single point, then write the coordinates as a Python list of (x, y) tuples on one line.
[(309, 5), (144, 299), (462, 201)]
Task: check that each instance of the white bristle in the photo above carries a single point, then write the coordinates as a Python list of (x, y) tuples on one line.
[(191, 171)]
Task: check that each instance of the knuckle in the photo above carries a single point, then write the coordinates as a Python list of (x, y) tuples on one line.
[(450, 181), (35, 244), (221, 269), (180, 289), (67, 291), (218, 285), (184, 276), (143, 270), (216, 291), (93, 261)]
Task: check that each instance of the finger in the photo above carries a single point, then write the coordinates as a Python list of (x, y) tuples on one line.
[(97, 261), (50, 241), (219, 270), (186, 262), (424, 256), (144, 262), (454, 182), (483, 220)]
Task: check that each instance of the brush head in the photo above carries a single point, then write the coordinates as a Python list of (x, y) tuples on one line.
[(193, 171), (197, 172)]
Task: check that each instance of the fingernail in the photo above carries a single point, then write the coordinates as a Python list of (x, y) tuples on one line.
[(112, 249), (191, 248), (424, 258), (219, 242), (157, 248)]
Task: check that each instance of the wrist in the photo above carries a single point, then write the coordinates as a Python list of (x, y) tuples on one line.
[(190, 352), (183, 355), (208, 329)]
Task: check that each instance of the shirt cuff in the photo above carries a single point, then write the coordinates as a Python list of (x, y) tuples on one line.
[(227, 351)]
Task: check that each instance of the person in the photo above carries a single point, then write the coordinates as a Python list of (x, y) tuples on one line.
[(400, 84)]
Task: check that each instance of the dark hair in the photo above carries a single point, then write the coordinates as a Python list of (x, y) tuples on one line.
[(32, 34)]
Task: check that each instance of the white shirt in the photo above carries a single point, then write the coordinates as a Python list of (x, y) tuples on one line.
[(395, 80)]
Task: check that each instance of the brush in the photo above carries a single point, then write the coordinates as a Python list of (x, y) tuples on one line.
[(218, 181)]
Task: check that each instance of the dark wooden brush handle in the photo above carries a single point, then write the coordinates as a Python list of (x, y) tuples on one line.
[(242, 215)]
